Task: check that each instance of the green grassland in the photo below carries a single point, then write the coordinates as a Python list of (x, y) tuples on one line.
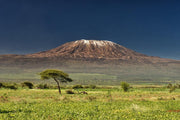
[(148, 99), (108, 103), (99, 75)]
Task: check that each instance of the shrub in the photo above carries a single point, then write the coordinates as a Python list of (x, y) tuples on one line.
[(1, 84), (14, 87), (77, 86), (69, 92), (10, 85), (27, 84), (43, 86), (172, 89), (169, 85), (125, 86)]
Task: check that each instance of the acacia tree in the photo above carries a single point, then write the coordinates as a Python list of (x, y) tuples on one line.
[(57, 75)]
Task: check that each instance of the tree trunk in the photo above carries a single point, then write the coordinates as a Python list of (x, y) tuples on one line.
[(58, 85)]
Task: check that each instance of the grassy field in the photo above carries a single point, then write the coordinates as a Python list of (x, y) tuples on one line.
[(99, 74), (105, 103), (90, 78)]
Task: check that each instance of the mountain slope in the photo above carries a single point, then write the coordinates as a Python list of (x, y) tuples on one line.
[(94, 49), (89, 49), (83, 52)]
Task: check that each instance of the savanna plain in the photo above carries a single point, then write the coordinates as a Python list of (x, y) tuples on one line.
[(77, 102)]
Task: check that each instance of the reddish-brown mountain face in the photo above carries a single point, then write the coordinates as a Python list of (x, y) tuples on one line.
[(89, 49), (96, 49), (83, 52)]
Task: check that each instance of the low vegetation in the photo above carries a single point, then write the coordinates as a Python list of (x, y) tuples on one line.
[(125, 86), (70, 92), (103, 102), (27, 84)]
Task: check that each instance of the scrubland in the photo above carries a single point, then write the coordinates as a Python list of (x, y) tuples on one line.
[(103, 103)]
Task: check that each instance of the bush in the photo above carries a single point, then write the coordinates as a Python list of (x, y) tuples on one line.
[(169, 85), (77, 86), (9, 85), (1, 85), (125, 86), (172, 89), (92, 86), (69, 92), (43, 86), (27, 84), (14, 87)]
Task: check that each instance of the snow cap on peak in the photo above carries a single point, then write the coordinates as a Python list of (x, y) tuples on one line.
[(96, 42)]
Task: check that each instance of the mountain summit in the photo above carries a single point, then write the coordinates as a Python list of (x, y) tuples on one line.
[(96, 49), (90, 49), (83, 51)]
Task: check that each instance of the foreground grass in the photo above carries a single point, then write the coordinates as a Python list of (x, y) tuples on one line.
[(103, 104)]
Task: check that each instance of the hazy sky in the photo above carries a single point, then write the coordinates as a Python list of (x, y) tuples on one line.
[(151, 27)]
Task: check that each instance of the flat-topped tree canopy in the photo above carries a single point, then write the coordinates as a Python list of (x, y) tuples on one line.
[(57, 75)]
